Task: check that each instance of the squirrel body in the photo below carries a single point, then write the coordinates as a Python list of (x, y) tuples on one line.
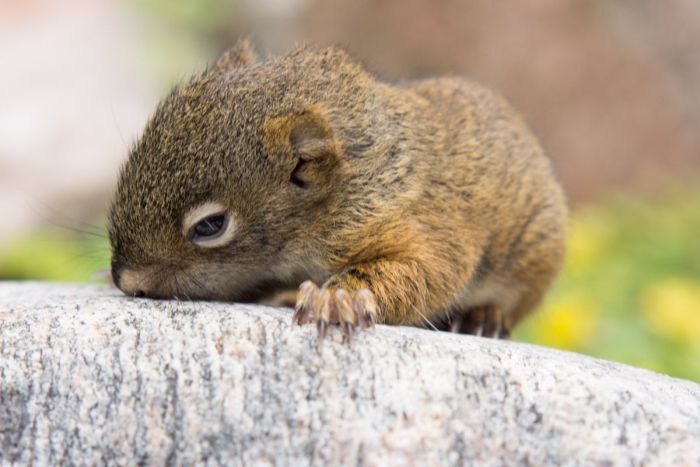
[(426, 203)]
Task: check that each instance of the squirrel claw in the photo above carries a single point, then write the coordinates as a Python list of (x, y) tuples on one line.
[(334, 307), (322, 329), (486, 321), (308, 292), (365, 307), (348, 331)]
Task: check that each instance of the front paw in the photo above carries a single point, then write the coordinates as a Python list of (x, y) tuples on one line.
[(334, 307)]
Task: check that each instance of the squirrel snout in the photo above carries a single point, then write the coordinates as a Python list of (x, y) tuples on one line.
[(129, 281), (115, 272)]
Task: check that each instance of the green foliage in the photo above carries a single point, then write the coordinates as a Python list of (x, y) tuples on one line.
[(197, 15), (630, 290), (54, 255), (182, 36)]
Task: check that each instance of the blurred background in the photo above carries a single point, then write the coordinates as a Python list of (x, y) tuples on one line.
[(612, 88)]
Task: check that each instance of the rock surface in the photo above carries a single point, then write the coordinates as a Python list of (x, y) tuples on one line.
[(88, 377)]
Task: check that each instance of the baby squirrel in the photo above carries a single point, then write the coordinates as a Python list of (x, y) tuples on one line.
[(426, 203)]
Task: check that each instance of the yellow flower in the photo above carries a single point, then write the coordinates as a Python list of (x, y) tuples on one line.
[(586, 244), (566, 322), (672, 309)]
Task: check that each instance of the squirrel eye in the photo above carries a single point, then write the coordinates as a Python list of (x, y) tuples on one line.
[(209, 227)]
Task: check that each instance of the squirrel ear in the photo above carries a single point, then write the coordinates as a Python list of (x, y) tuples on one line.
[(303, 144), (239, 55)]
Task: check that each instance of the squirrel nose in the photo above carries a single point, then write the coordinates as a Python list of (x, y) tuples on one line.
[(116, 272), (127, 281)]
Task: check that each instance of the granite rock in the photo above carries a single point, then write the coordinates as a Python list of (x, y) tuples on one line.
[(88, 376)]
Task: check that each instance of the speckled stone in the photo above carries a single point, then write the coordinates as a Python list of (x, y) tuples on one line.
[(88, 377)]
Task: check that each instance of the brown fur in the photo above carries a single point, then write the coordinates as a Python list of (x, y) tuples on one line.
[(434, 195)]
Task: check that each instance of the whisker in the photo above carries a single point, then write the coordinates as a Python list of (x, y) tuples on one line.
[(91, 257), (71, 228), (197, 283), (425, 318), (56, 218), (116, 125), (157, 273), (178, 287), (187, 281)]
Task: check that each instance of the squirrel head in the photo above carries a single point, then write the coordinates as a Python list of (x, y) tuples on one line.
[(242, 176)]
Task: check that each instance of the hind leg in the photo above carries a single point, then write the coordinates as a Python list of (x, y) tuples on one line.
[(285, 299), (485, 321)]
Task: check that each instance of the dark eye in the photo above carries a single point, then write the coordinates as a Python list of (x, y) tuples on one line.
[(210, 227)]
